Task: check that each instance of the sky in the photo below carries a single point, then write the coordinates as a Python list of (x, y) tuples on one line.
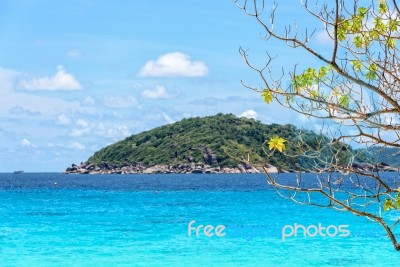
[(78, 75)]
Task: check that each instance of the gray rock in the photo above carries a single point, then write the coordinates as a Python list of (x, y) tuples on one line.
[(241, 168), (209, 157)]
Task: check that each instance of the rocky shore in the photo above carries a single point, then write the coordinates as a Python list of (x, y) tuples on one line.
[(380, 167), (105, 168)]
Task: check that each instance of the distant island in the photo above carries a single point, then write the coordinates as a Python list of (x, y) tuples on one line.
[(222, 143)]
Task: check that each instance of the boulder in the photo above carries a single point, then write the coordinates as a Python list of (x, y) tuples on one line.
[(247, 165), (271, 169), (241, 168), (209, 157)]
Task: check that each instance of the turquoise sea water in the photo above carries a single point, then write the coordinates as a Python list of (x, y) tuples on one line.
[(142, 220)]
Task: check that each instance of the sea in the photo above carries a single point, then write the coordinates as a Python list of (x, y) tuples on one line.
[(53, 219)]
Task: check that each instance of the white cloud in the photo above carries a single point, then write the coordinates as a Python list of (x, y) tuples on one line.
[(158, 92), (101, 129), (6, 78), (167, 118), (174, 64), (72, 145), (114, 131), (323, 38), (45, 105), (63, 119), (74, 53), (120, 101), (21, 111), (62, 80), (84, 127), (27, 143), (51, 145), (250, 114), (88, 101), (77, 146), (122, 129), (80, 132), (82, 123)]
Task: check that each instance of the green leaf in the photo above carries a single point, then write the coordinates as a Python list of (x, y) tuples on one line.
[(323, 72), (362, 11), (357, 65), (373, 35), (358, 41), (357, 24), (379, 25), (372, 72), (344, 101), (388, 204), (393, 24), (310, 74), (391, 43), (370, 76), (343, 27), (382, 7), (314, 94), (267, 95), (341, 36)]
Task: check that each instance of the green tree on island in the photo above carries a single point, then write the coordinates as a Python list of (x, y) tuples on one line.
[(354, 90)]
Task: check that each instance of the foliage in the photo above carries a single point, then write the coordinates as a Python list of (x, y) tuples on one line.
[(353, 90)]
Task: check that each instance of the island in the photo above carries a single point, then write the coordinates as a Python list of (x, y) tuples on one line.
[(222, 143)]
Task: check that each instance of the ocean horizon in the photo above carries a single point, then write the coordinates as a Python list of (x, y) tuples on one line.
[(52, 219)]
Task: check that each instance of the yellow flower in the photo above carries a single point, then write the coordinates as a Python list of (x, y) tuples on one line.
[(267, 95), (277, 142)]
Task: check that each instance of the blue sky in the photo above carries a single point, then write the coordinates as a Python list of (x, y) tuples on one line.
[(76, 76)]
